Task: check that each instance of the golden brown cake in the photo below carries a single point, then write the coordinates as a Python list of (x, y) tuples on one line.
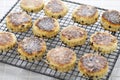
[(110, 20), (55, 9), (18, 22), (73, 36), (7, 41), (32, 5), (46, 27), (31, 48), (93, 66), (85, 14), (103, 42), (61, 59)]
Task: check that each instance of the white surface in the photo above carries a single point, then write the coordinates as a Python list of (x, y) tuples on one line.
[(5, 5), (8, 72)]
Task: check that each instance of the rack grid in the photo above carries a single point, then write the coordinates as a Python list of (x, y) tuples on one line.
[(11, 57)]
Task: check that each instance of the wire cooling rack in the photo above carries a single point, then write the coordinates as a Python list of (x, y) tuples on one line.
[(11, 57)]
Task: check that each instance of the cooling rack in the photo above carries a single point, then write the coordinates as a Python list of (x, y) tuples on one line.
[(11, 57)]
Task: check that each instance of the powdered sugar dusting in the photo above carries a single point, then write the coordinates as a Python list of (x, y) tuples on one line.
[(61, 55), (19, 18), (31, 3), (85, 10), (93, 62), (55, 6), (112, 16), (46, 23), (5, 38), (103, 38), (73, 32), (32, 44)]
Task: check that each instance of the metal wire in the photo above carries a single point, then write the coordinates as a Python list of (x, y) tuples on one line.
[(11, 57)]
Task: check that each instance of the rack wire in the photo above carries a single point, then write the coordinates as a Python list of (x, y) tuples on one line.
[(11, 57)]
